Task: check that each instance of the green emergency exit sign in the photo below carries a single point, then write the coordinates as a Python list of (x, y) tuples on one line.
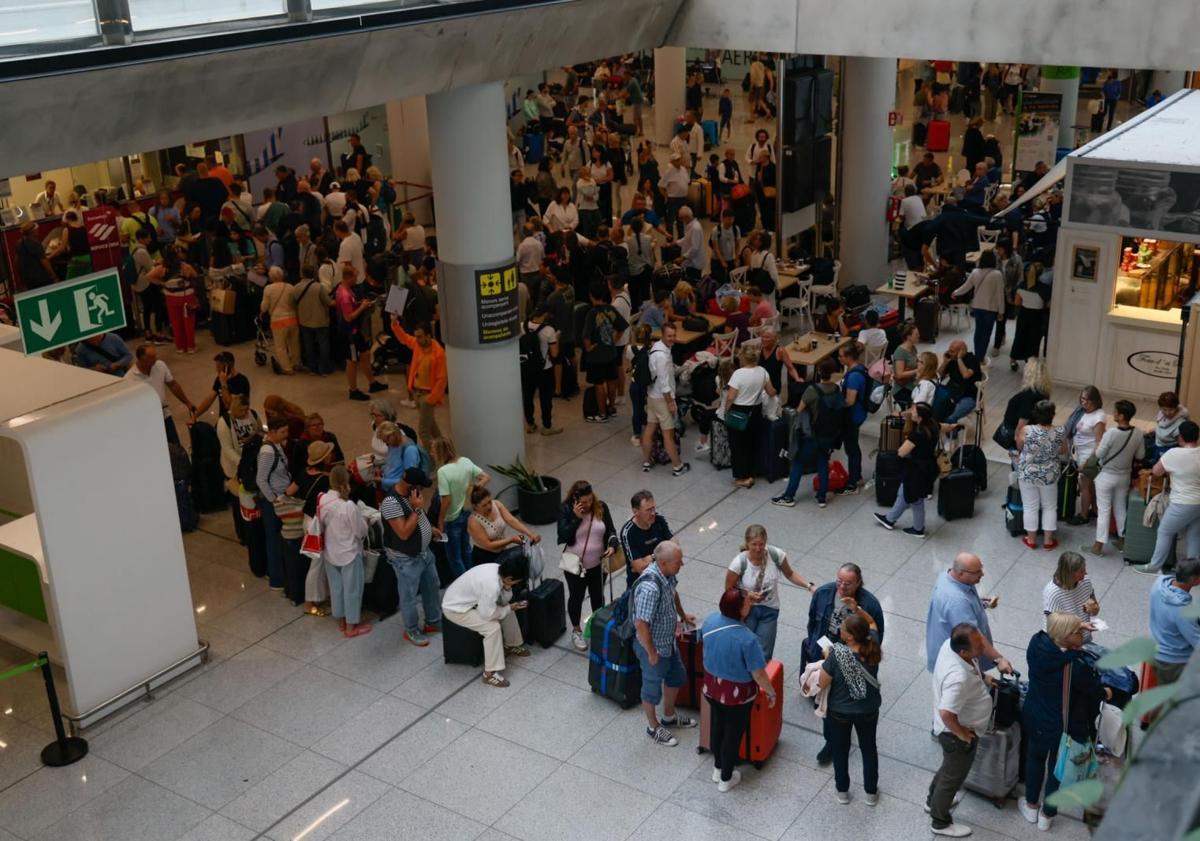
[(65, 313)]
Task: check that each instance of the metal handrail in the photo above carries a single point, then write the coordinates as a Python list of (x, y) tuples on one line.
[(201, 652)]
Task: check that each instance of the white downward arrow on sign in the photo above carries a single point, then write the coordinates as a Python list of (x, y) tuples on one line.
[(47, 327)]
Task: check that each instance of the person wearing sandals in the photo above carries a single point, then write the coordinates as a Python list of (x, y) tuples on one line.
[(758, 569), (734, 672), (481, 599), (1038, 468), (344, 528), (851, 673), (1118, 449), (655, 610), (586, 530)]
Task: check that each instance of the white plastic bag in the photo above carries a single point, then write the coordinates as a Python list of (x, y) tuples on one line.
[(537, 563)]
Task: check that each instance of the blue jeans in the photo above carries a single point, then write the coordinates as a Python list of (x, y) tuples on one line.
[(1177, 518), (668, 671), (1043, 754), (314, 349), (962, 408), (764, 622), (918, 509), (637, 401), (812, 448), (346, 590), (458, 543), (271, 526), (417, 575), (985, 322)]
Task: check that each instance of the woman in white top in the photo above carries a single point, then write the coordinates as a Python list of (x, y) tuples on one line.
[(381, 411), (344, 528), (927, 371), (488, 527), (587, 200), (1118, 449), (562, 214), (988, 304), (602, 174), (1088, 431), (757, 570), (757, 255), (742, 411), (1183, 512), (1071, 591)]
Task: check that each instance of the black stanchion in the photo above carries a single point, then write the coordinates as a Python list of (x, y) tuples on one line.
[(65, 750)]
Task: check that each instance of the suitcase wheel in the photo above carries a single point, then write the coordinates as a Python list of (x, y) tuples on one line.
[(757, 765), (260, 358)]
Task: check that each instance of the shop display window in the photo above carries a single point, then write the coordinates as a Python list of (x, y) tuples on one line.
[(1156, 274)]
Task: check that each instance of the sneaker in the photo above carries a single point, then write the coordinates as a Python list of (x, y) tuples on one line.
[(681, 469), (635, 440), (783, 501), (734, 778), (662, 736), (958, 796), (849, 490), (885, 522), (578, 641), (278, 589), (702, 448), (1045, 821), (358, 395), (431, 629), (914, 532), (596, 419), (954, 830), (552, 430), (716, 777), (495, 679), (871, 798), (1146, 569), (646, 466), (409, 404), (1029, 813), (843, 798), (681, 721), (821, 503), (825, 756), (377, 386), (417, 638)]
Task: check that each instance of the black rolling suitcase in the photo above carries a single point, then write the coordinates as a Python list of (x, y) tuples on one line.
[(971, 457), (771, 455), (956, 494), (461, 645), (208, 480), (224, 328), (887, 477), (613, 669), (546, 612)]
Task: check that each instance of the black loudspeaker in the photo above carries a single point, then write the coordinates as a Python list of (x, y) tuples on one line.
[(807, 106), (822, 103), (806, 173)]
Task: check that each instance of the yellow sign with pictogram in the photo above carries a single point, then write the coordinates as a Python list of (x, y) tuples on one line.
[(497, 304)]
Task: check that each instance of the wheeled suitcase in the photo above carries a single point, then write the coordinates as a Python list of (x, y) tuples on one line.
[(718, 445), (1006, 695), (1014, 513), (537, 147), (591, 408), (997, 765), (771, 455), (887, 477), (1068, 492), (461, 645), (188, 519), (208, 480), (926, 314), (956, 494), (891, 432), (971, 457), (699, 193), (710, 133), (1139, 540), (744, 212), (442, 562), (224, 328), (381, 594), (691, 651), (766, 723), (937, 139), (613, 669), (546, 612)]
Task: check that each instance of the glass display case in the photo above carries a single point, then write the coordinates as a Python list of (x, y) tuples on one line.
[(1155, 274)]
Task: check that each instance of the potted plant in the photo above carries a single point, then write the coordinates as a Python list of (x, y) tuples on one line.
[(538, 497)]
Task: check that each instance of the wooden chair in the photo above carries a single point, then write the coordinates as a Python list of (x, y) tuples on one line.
[(725, 344)]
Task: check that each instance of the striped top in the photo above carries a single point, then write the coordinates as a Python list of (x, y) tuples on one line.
[(1057, 600)]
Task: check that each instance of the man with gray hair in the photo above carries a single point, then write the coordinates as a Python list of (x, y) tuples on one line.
[(656, 607), (691, 245), (956, 601)]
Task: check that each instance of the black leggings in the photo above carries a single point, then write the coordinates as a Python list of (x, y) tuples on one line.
[(742, 442), (729, 724), (592, 581)]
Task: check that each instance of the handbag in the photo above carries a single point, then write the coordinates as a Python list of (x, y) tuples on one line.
[(737, 418), (572, 563), (1076, 760), (313, 543), (1092, 467), (1005, 436), (1157, 505)]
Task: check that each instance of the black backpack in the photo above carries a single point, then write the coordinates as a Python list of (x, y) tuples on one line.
[(530, 349), (247, 469), (827, 414), (641, 367), (704, 384), (144, 224)]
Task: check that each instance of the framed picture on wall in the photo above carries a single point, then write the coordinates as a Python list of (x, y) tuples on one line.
[(1083, 263)]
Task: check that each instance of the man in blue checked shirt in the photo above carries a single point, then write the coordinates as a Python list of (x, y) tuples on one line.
[(656, 607)]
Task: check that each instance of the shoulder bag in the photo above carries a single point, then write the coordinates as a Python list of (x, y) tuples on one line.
[(572, 563), (1092, 467), (313, 544), (1076, 760)]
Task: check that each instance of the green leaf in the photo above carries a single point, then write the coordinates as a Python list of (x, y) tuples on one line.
[(1143, 702), (1191, 611), (1133, 653), (1084, 794)]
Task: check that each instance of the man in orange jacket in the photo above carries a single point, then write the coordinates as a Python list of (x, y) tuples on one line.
[(426, 376)]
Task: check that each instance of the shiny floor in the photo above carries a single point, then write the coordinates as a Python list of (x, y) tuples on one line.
[(295, 734)]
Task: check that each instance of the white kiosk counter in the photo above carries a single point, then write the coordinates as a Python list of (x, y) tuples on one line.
[(1126, 263), (92, 567)]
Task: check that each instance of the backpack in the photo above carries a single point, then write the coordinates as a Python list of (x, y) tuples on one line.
[(530, 350), (426, 460), (144, 224), (247, 469), (744, 561), (867, 392), (943, 403), (704, 385), (641, 367), (827, 414), (622, 608)]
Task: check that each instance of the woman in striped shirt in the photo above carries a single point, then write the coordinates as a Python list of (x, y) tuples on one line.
[(1071, 591)]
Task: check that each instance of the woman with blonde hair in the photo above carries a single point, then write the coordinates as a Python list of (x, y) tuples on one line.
[(344, 529), (741, 410), (457, 476), (1036, 386), (927, 372), (758, 569)]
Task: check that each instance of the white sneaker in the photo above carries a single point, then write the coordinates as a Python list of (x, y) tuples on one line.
[(409, 404), (843, 797), (1029, 813), (871, 799), (702, 448), (1044, 822), (578, 641), (635, 440), (954, 830), (725, 785), (716, 777)]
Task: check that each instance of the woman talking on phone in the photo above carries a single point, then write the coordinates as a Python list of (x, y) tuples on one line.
[(585, 528), (758, 569)]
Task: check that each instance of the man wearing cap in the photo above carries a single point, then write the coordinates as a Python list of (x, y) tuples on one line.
[(406, 544), (674, 184), (32, 262)]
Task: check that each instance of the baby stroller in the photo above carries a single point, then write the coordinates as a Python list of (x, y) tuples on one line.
[(264, 346)]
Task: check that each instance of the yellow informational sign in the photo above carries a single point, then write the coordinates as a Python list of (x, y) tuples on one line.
[(497, 304)]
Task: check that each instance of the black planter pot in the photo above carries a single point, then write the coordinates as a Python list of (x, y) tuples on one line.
[(540, 508)]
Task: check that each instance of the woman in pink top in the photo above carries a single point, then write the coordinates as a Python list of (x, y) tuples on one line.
[(585, 528)]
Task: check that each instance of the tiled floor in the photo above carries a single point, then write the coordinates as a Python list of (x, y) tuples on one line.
[(291, 732)]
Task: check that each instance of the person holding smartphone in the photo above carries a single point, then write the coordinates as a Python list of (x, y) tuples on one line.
[(585, 528), (406, 544), (228, 382)]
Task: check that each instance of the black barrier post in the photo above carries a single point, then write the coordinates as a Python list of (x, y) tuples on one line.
[(65, 750)]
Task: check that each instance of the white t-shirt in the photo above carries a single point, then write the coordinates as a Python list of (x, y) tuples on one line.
[(771, 575), (958, 687), (1183, 463), (873, 337), (351, 251), (912, 208), (160, 378), (662, 371), (414, 238), (750, 383), (924, 391), (547, 336), (1085, 434)]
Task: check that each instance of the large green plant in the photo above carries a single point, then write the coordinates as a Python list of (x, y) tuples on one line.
[(522, 475)]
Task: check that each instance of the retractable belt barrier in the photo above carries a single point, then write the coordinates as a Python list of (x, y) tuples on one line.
[(64, 750)]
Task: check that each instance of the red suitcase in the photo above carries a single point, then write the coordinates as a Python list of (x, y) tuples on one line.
[(937, 139), (691, 651), (766, 723)]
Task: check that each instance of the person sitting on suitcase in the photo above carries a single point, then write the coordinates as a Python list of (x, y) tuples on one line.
[(656, 609), (481, 599), (962, 708)]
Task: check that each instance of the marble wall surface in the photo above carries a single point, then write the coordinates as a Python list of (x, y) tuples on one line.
[(1157, 34)]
